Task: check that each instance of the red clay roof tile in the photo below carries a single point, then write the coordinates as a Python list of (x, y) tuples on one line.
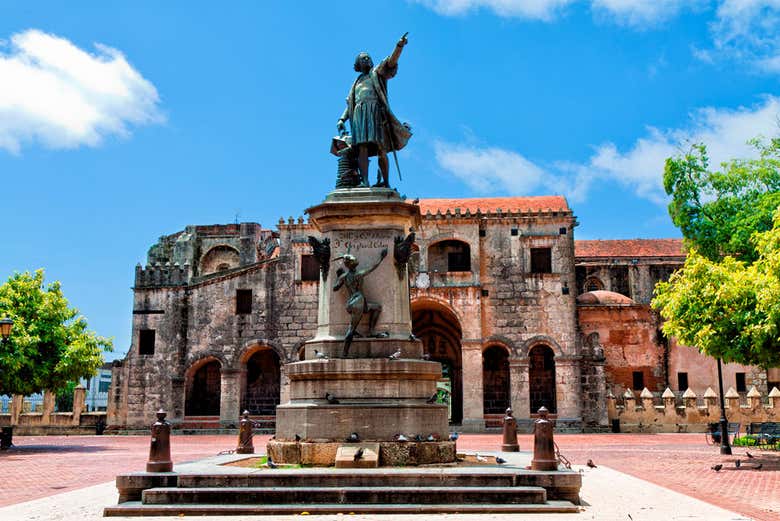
[(555, 203), (629, 248)]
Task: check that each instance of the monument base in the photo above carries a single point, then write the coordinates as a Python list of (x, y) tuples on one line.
[(391, 453)]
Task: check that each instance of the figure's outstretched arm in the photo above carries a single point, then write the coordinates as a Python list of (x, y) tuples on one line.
[(392, 61), (382, 256), (342, 129), (339, 283)]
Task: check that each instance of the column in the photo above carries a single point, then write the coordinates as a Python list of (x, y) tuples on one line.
[(519, 390), (567, 387), (473, 412), (230, 399), (79, 396)]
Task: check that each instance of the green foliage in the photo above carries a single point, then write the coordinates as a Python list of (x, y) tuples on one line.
[(50, 344), (727, 309), (63, 400), (719, 211)]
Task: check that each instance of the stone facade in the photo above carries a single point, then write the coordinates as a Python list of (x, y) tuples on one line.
[(219, 310)]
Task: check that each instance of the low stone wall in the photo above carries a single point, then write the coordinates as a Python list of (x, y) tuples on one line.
[(49, 422), (651, 414)]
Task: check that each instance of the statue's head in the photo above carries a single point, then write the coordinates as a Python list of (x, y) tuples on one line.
[(363, 62), (350, 261)]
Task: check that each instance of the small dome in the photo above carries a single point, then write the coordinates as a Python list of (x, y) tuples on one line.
[(604, 298)]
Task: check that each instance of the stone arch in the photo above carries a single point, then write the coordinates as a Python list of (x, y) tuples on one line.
[(525, 347), (252, 345), (261, 367), (217, 257), (203, 386), (541, 378), (501, 340), (592, 283), (495, 379), (439, 328)]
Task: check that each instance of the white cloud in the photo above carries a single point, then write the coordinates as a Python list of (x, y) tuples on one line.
[(530, 9), (57, 94), (746, 31), (639, 168), (640, 13)]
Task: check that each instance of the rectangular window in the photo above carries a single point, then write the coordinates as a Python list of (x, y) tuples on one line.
[(482, 232), (243, 301), (103, 386), (682, 382), (310, 268), (514, 231), (541, 260), (741, 386), (458, 261), (562, 231), (639, 381), (146, 341)]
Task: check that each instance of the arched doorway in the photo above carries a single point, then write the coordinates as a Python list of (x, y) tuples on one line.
[(541, 378), (203, 389), (439, 330), (261, 390), (495, 380)]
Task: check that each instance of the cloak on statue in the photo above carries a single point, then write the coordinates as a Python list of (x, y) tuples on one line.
[(370, 118)]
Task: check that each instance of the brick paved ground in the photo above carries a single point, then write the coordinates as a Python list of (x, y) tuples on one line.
[(43, 466)]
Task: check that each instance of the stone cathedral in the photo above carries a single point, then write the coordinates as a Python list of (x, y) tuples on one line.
[(518, 313)]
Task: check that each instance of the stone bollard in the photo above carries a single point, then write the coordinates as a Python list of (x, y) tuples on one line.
[(510, 433), (245, 435), (544, 445), (160, 448)]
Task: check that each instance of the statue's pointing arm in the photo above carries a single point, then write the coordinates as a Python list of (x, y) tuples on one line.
[(382, 256), (392, 61)]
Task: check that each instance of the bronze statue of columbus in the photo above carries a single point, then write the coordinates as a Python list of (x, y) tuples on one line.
[(375, 130)]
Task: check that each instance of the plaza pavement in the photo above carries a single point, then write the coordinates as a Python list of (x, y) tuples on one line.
[(646, 477)]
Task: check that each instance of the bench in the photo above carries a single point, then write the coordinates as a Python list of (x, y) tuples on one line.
[(767, 435), (713, 432)]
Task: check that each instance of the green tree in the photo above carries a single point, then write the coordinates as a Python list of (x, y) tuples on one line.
[(719, 211), (728, 309), (50, 344)]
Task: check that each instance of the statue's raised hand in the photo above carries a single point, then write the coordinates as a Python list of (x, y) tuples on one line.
[(403, 41), (341, 128)]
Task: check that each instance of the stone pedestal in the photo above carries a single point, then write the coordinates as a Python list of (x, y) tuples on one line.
[(372, 395)]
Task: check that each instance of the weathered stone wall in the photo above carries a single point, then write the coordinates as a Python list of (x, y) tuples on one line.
[(76, 422)]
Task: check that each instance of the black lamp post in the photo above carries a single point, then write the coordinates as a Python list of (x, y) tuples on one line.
[(725, 446), (6, 433), (5, 328)]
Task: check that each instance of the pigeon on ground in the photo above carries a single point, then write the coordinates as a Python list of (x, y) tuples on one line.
[(418, 437), (358, 454), (480, 458), (320, 355), (717, 467), (270, 462), (430, 438), (759, 466), (433, 397), (353, 438), (454, 436), (591, 464), (297, 437), (401, 437), (500, 460), (749, 455), (737, 464), (395, 356), (331, 398), (426, 356)]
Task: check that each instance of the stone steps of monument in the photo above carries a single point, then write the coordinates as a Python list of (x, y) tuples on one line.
[(285, 478), (136, 508), (304, 496)]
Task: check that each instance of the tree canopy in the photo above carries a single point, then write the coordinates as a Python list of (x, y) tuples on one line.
[(726, 299), (50, 344), (719, 211)]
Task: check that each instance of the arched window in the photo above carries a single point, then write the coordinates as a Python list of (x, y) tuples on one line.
[(592, 284), (495, 380), (219, 258), (449, 255)]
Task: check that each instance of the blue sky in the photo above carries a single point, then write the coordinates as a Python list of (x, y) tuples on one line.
[(124, 121)]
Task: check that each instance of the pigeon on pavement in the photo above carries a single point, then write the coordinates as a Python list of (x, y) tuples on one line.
[(591, 464), (401, 437), (759, 466), (395, 356), (717, 467), (737, 464), (500, 460), (320, 355), (331, 398), (353, 438), (749, 455), (270, 462), (454, 436), (432, 398), (358, 454), (480, 458)]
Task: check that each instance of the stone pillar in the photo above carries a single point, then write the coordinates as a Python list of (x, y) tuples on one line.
[(567, 387), (177, 398), (79, 403), (230, 399), (48, 407), (473, 411), (519, 391), (17, 406)]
